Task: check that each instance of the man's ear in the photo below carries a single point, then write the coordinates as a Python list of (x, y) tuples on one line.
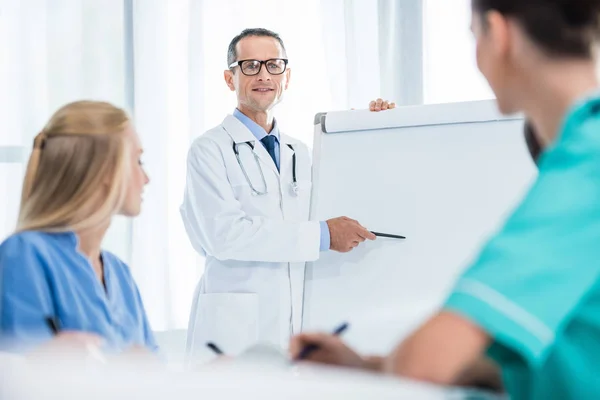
[(288, 74), (228, 75)]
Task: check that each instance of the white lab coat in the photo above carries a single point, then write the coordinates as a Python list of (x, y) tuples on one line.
[(255, 246)]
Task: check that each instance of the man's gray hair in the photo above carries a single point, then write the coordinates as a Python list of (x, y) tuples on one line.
[(262, 32)]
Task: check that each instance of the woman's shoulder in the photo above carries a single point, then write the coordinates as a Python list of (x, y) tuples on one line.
[(25, 254), (35, 245), (23, 241)]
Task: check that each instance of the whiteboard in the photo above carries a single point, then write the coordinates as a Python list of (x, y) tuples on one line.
[(445, 176)]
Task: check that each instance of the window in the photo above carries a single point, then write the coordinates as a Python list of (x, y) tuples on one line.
[(450, 70)]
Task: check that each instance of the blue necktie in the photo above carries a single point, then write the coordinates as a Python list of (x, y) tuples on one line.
[(269, 143)]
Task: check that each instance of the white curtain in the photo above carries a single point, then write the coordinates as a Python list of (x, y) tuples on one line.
[(373, 49), (167, 76), (51, 53)]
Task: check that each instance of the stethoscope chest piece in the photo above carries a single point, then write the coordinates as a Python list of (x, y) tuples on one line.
[(295, 188)]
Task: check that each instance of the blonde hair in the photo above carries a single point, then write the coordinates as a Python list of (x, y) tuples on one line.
[(78, 169)]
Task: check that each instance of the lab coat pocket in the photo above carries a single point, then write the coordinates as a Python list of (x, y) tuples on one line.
[(230, 320)]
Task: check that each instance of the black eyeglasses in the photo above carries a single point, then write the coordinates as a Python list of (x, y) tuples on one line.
[(275, 66)]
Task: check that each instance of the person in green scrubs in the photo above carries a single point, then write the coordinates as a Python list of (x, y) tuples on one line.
[(526, 314)]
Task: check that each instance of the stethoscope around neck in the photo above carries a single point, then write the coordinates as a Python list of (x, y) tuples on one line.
[(256, 192)]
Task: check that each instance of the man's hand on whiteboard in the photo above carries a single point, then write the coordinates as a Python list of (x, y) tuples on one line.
[(381, 105), (346, 234)]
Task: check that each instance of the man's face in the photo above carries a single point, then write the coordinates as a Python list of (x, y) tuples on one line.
[(263, 91)]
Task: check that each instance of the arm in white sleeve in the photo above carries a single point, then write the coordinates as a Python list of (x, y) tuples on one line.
[(216, 223)]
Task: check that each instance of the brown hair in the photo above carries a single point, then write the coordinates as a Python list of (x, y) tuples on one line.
[(560, 27)]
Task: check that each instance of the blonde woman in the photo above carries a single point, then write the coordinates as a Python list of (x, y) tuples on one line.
[(57, 285)]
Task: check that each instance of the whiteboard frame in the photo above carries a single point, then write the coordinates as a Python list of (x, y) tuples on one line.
[(412, 116)]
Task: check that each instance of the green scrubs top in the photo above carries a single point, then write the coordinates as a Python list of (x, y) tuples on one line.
[(535, 287)]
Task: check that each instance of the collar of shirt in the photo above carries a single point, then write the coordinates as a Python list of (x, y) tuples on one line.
[(256, 129)]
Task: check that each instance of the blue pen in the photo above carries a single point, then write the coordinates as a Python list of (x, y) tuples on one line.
[(313, 347)]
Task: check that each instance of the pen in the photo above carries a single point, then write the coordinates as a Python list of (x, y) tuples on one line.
[(313, 347), (387, 235), (53, 324), (214, 348)]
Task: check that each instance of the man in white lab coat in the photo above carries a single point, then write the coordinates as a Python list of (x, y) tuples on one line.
[(246, 209)]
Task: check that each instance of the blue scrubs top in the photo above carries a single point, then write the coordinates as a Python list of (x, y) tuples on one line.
[(535, 288), (44, 275)]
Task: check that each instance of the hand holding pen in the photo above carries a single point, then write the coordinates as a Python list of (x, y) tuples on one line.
[(66, 342), (325, 348)]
